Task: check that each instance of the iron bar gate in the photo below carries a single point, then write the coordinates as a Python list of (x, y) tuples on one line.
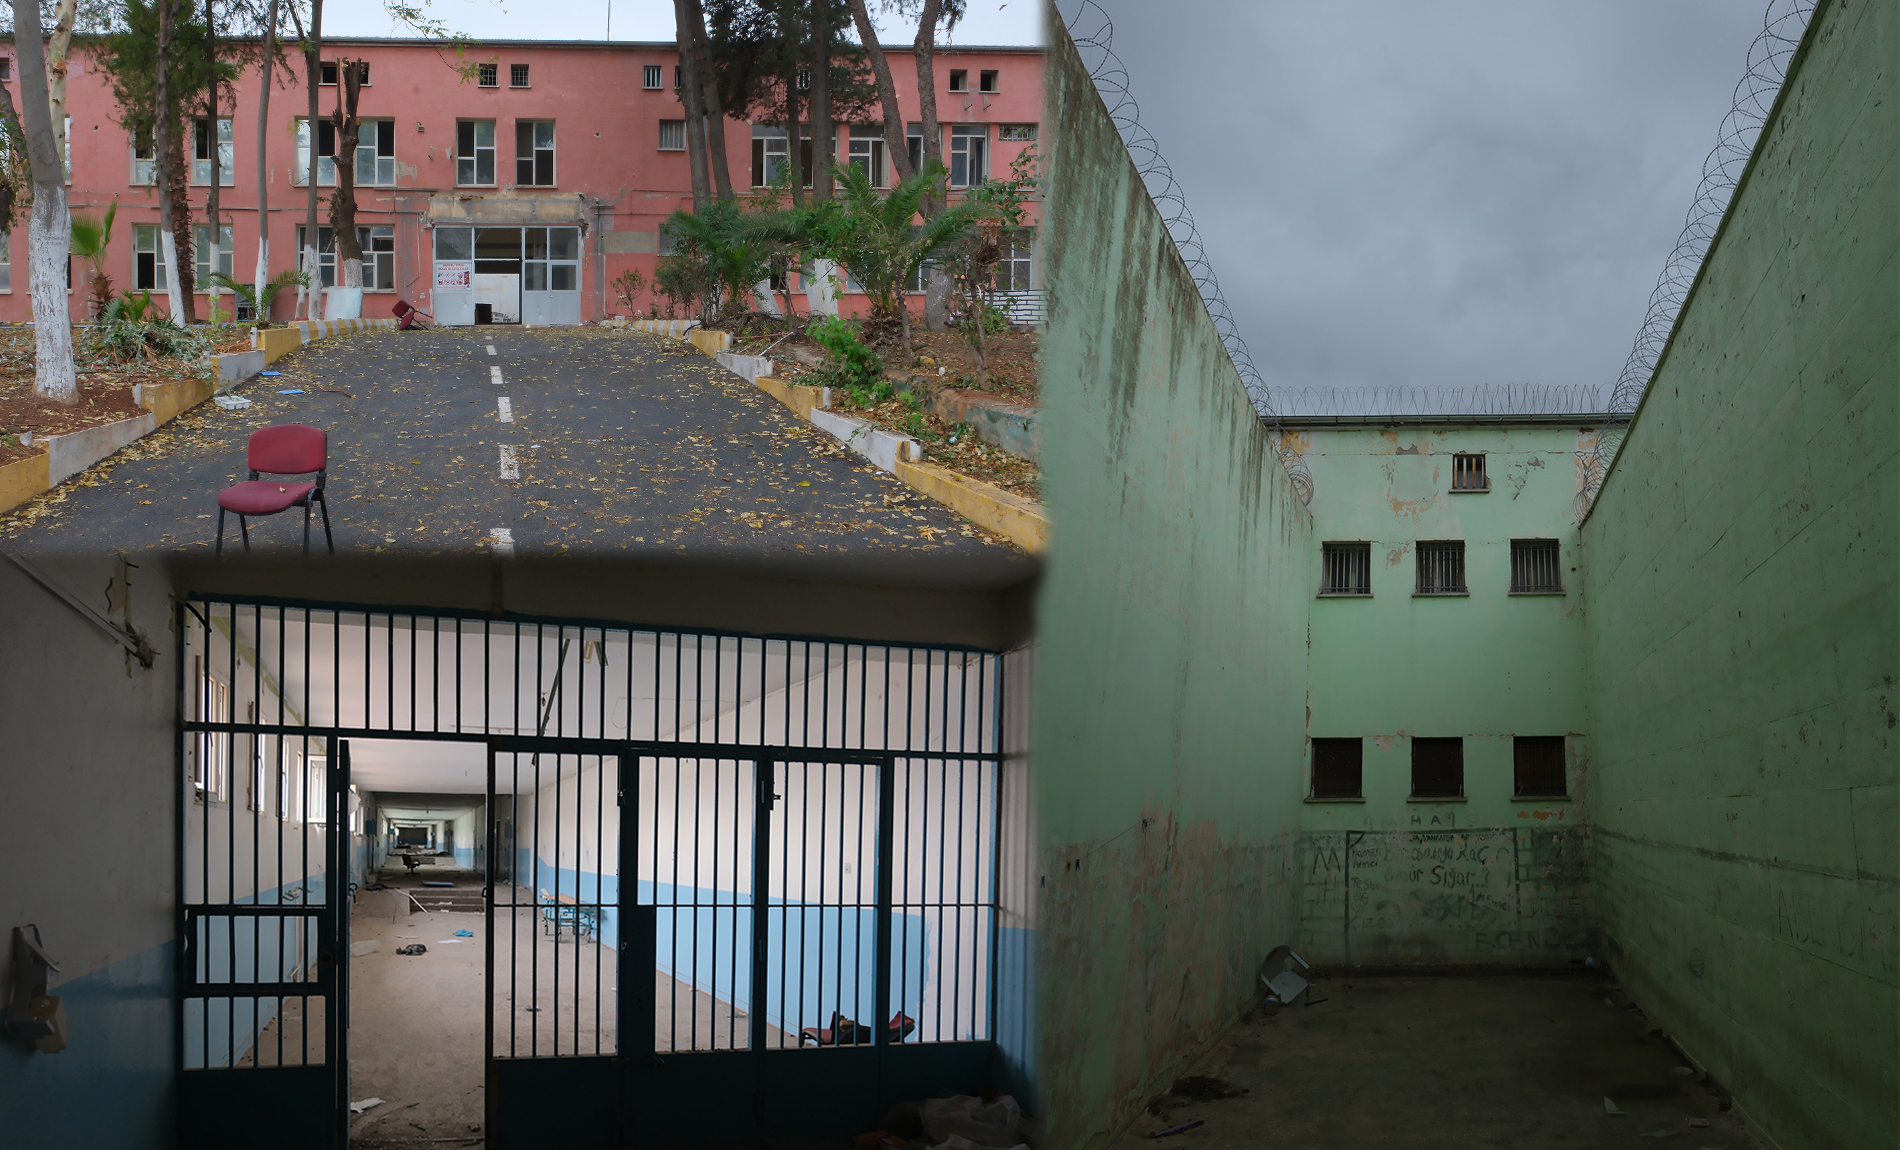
[(791, 842)]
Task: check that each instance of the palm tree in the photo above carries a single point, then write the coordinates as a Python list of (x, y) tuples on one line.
[(90, 240), (876, 237), (260, 297), (718, 242)]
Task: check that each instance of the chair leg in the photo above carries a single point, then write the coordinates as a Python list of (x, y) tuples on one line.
[(306, 529), (326, 525), (220, 532), (244, 526)]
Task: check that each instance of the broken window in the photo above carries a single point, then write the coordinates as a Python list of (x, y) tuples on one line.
[(517, 75), (1538, 767), (959, 80), (488, 75), (148, 261), (1441, 567), (1438, 768), (475, 152), (144, 157), (534, 153), (326, 154), (376, 153), (969, 154), (650, 77), (986, 81), (1346, 569), (1534, 567), (1338, 768), (201, 144), (867, 152), (1467, 473), (673, 136)]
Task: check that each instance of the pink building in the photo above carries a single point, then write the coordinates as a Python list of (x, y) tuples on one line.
[(515, 197)]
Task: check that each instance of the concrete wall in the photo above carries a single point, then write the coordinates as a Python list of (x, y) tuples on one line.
[(1487, 879), (1171, 658), (97, 878), (1742, 642)]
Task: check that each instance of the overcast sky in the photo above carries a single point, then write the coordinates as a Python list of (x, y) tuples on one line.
[(987, 21), (1441, 194)]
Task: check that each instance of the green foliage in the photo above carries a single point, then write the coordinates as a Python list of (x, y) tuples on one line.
[(1000, 224), (854, 369), (627, 287), (91, 237), (714, 263), (260, 302), (130, 330), (758, 44)]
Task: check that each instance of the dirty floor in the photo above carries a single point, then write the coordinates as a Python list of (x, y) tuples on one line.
[(1446, 1063)]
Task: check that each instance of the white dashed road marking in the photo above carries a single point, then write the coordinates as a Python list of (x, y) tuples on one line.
[(502, 538), (494, 376), (491, 349), (505, 408), (510, 468)]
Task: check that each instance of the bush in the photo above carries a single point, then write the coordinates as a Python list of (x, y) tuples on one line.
[(129, 331), (854, 368)]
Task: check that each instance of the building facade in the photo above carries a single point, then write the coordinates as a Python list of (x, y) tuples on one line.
[(515, 195)]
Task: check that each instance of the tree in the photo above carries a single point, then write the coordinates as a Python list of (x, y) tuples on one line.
[(824, 133), (262, 277), (692, 100), (946, 12), (715, 260), (349, 128), (90, 240), (211, 117), (999, 223), (49, 229), (312, 289), (895, 143), (711, 106)]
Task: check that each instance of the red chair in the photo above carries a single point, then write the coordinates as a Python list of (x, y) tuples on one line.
[(408, 315), (288, 449)]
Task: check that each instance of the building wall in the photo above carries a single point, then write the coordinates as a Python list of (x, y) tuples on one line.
[(1486, 879), (1171, 658), (97, 878), (1740, 590), (606, 152)]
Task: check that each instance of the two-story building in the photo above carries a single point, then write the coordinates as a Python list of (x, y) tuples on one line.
[(517, 194)]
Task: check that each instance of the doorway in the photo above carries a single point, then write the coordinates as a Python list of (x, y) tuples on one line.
[(507, 275)]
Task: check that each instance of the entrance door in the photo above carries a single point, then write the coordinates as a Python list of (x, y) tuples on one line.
[(550, 275), (454, 301), (264, 924), (498, 275)]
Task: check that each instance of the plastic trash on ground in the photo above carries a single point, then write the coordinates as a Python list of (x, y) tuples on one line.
[(232, 402), (1282, 974), (365, 1104), (412, 948)]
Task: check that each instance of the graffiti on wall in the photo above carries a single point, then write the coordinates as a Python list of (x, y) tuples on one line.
[(1432, 895)]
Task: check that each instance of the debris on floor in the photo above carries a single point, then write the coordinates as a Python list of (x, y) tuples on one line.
[(1609, 1107), (1281, 974), (465, 933), (960, 1122), (1171, 1131), (365, 1104), (412, 948), (232, 402), (1205, 1088), (368, 946)]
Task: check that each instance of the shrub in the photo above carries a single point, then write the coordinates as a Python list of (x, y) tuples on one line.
[(854, 368)]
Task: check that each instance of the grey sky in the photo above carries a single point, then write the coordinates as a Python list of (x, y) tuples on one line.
[(987, 21), (1436, 195)]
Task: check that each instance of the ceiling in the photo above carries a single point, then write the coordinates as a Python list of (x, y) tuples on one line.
[(418, 767)]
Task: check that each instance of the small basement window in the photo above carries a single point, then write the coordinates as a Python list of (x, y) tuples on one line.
[(1538, 767), (1534, 569), (986, 81), (1347, 569), (1467, 473), (1438, 768), (1441, 567), (959, 80), (1338, 768)]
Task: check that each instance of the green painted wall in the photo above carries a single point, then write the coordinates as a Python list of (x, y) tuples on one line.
[(1171, 667), (1389, 881), (1742, 651)]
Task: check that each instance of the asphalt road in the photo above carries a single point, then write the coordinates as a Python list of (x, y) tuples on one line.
[(570, 440)]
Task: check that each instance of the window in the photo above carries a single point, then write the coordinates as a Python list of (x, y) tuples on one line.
[(379, 256), (866, 153), (1441, 568), (969, 147), (650, 78), (1016, 133), (148, 262), (769, 154), (1438, 768), (959, 80), (672, 135), (1346, 569), (679, 75), (290, 779), (144, 157), (986, 81), (258, 795), (212, 766), (1467, 473), (201, 253), (1538, 767), (534, 153), (1534, 569), (326, 74), (1338, 768), (6, 71), (475, 152), (376, 153), (517, 75), (1013, 271), (804, 79), (201, 143), (6, 262), (550, 259), (326, 154), (318, 790), (488, 75), (66, 149)]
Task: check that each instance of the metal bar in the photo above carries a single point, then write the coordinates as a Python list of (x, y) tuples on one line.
[(488, 931), (764, 776)]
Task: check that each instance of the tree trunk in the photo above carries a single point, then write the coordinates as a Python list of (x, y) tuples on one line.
[(895, 142), (56, 55), (824, 134), (711, 106), (49, 230), (162, 151), (926, 48), (794, 143), (178, 169), (313, 77), (211, 197), (349, 128), (263, 169), (692, 101)]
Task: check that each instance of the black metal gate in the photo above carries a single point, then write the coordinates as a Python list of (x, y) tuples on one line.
[(791, 843)]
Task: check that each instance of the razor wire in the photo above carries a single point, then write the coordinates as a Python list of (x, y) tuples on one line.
[(1093, 34), (1402, 402), (1783, 25)]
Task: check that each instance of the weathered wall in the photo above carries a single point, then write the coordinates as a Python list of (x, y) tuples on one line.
[(1489, 879), (1171, 658), (1740, 587), (78, 719)]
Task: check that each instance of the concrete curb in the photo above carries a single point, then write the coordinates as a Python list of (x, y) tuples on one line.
[(278, 342), (881, 447), (1010, 426), (673, 328), (236, 367), (68, 455), (709, 340), (747, 367)]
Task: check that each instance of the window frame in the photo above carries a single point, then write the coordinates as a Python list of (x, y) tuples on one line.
[(150, 161), (488, 75), (968, 134), (381, 148), (652, 77), (535, 153), (300, 169), (1464, 465), (1438, 546), (1344, 547), (200, 266), (989, 81), (157, 254), (871, 158), (1520, 745), (959, 80), (676, 128), (1016, 133), (518, 76), (474, 156), (1358, 771), (1529, 550), (6, 263), (226, 144), (1431, 745)]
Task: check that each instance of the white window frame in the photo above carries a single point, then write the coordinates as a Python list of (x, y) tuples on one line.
[(144, 168), (316, 774), (142, 235), (326, 165), (774, 147), (289, 769), (6, 263), (473, 158), (488, 75), (210, 773), (376, 158), (961, 137), (201, 266), (1015, 133), (867, 152), (227, 154), (1018, 265)]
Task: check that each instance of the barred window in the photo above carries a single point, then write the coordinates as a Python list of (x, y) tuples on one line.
[(1016, 133), (488, 75), (1348, 569), (672, 135), (1338, 768), (1534, 566), (1441, 567), (1538, 767), (650, 77), (1438, 768), (517, 75), (1467, 473)]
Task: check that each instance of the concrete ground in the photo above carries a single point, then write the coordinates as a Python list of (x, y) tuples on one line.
[(1451, 1062), (615, 443)]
